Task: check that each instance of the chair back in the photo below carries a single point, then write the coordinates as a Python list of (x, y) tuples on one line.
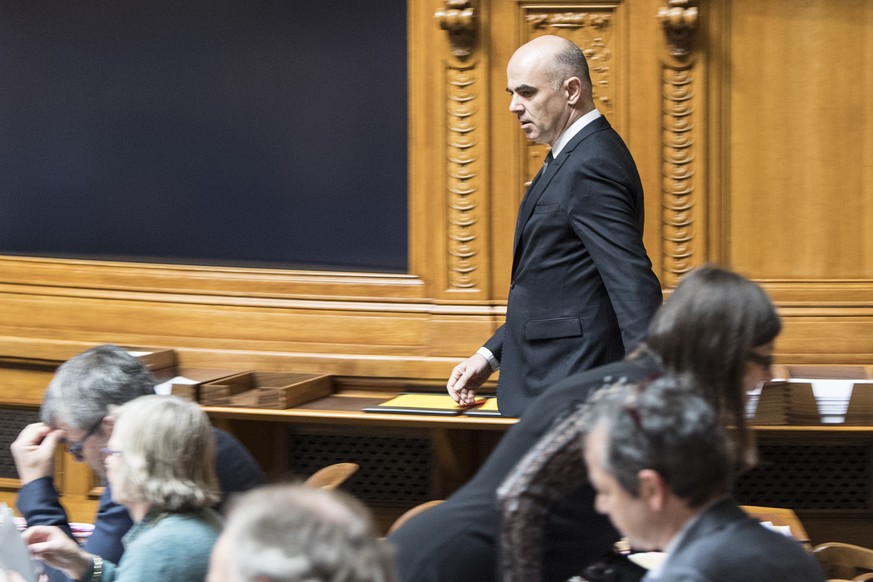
[(848, 561), (412, 512), (332, 476), (780, 516)]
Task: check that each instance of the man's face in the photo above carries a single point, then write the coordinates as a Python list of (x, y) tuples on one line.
[(543, 111), (630, 515), (89, 443)]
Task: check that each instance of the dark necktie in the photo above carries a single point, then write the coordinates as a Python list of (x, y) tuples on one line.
[(549, 159), (522, 210)]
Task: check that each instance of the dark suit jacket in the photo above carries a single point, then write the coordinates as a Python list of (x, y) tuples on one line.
[(725, 545), (582, 290), (460, 538), (39, 503)]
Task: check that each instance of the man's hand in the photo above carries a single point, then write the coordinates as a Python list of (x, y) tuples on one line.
[(34, 451), (467, 377)]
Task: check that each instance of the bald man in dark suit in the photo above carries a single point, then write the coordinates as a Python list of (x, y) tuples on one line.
[(582, 290)]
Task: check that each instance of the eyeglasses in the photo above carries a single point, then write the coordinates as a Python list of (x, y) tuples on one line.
[(109, 452), (76, 447), (761, 360)]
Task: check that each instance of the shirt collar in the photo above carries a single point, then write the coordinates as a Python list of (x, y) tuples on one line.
[(677, 540), (575, 128)]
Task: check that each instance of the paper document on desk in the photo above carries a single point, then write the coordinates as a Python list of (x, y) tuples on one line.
[(783, 529), (13, 552), (166, 388)]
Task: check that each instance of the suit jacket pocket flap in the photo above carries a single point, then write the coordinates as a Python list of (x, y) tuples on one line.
[(538, 329)]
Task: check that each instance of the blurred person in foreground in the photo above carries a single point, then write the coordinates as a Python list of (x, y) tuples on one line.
[(294, 533), (717, 327), (662, 469), (75, 408), (160, 463)]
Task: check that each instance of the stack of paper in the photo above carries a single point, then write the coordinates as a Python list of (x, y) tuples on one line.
[(860, 408), (825, 372), (786, 402), (783, 529)]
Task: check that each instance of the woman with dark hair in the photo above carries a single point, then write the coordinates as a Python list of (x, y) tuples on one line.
[(720, 330), (717, 327)]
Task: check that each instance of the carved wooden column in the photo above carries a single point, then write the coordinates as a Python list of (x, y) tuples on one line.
[(464, 145), (680, 153)]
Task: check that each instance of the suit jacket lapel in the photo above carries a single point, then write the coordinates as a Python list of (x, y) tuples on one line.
[(541, 181), (529, 201)]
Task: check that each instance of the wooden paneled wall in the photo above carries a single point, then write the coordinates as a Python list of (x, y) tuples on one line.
[(751, 125)]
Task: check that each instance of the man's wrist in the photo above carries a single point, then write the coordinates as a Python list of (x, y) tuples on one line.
[(91, 570), (97, 572), (26, 476), (492, 361)]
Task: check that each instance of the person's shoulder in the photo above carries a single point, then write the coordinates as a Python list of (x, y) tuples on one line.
[(225, 440), (736, 545), (176, 546), (183, 528), (629, 370), (576, 389), (237, 469)]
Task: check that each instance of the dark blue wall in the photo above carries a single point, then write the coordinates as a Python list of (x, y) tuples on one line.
[(205, 131)]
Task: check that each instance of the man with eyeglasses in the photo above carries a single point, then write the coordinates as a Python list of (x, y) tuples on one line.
[(74, 412), (662, 469)]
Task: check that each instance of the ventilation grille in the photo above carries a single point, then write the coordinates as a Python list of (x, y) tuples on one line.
[(394, 471), (12, 420), (810, 477)]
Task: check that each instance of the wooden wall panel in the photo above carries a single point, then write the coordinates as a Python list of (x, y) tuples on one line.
[(750, 124), (800, 139)]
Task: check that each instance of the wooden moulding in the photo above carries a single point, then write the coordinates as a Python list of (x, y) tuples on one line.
[(274, 390)]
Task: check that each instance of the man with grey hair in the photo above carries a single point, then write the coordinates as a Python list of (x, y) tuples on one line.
[(582, 289), (662, 470), (294, 533), (75, 410)]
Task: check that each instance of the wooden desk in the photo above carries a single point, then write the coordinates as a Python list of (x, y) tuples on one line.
[(455, 445), (345, 408), (823, 472)]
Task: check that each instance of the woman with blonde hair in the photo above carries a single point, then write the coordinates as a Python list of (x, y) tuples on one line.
[(160, 464)]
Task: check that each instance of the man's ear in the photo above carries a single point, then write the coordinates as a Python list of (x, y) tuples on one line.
[(654, 491), (573, 86)]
